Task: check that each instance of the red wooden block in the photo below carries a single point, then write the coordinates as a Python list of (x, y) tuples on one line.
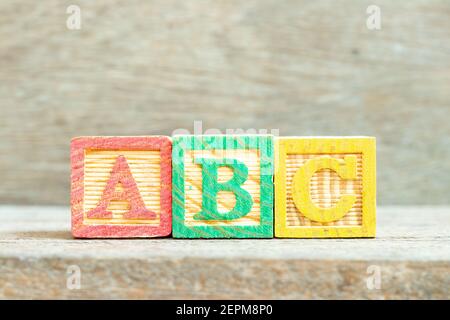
[(121, 187)]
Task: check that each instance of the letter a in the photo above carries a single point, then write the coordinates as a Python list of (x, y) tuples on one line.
[(121, 174)]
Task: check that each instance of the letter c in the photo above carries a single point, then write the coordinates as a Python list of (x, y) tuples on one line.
[(301, 193)]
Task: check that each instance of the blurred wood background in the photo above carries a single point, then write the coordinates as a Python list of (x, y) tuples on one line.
[(150, 67)]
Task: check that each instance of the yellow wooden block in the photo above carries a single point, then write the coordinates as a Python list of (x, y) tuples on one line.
[(325, 187)]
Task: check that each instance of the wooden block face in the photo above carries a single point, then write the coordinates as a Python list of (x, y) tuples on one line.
[(226, 200), (325, 187), (121, 187), (145, 167), (223, 186)]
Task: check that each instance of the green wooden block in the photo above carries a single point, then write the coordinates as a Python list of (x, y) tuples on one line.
[(222, 186)]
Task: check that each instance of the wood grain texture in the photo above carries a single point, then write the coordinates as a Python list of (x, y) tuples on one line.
[(149, 67), (36, 250), (325, 187), (209, 202), (135, 202)]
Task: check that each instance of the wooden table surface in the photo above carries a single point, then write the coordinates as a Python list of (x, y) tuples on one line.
[(411, 254)]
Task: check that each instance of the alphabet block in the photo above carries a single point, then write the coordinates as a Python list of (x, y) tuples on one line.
[(121, 187), (223, 186), (325, 187)]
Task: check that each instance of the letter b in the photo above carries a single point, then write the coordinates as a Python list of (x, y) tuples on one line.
[(211, 187)]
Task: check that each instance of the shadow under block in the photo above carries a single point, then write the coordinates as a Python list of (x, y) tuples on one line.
[(121, 187), (325, 187), (222, 186)]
